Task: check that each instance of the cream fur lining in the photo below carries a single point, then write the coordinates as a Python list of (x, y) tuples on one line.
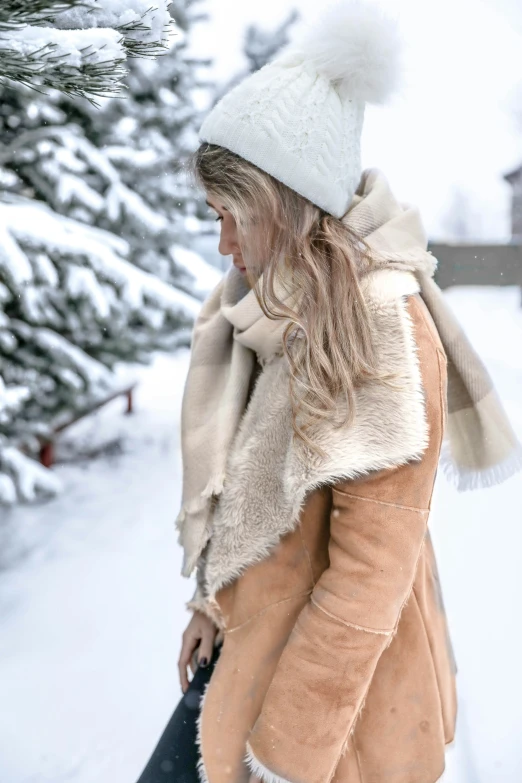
[(269, 475), (202, 772), (260, 770), (250, 759)]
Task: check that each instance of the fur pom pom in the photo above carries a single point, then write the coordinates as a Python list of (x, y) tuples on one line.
[(357, 46)]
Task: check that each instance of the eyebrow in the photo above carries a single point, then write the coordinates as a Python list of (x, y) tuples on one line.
[(212, 207)]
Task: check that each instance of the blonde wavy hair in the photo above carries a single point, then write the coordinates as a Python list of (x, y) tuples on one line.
[(281, 232)]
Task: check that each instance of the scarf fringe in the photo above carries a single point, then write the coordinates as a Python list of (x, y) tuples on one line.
[(480, 478), (192, 522), (214, 487)]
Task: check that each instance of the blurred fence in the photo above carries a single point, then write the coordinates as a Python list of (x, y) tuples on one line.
[(462, 264), (459, 263)]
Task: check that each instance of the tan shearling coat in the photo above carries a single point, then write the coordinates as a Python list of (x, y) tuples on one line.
[(336, 665)]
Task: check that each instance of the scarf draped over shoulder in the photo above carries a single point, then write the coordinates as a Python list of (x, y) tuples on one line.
[(219, 422)]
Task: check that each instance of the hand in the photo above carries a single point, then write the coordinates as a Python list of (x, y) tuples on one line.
[(200, 631)]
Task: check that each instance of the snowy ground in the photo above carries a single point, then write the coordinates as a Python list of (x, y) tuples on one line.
[(91, 601)]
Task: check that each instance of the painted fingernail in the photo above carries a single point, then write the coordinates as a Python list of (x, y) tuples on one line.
[(203, 662)]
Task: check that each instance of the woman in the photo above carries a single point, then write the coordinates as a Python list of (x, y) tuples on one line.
[(325, 373)]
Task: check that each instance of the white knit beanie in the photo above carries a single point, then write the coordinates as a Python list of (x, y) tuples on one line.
[(300, 117)]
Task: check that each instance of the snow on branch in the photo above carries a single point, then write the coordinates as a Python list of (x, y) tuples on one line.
[(14, 264), (24, 479), (22, 12), (67, 354), (11, 399), (145, 28), (79, 47), (205, 277), (76, 62), (20, 477), (76, 152), (39, 226)]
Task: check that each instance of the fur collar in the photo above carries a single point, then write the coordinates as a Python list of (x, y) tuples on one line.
[(269, 474)]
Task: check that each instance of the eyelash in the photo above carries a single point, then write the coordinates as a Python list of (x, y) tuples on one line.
[(219, 218)]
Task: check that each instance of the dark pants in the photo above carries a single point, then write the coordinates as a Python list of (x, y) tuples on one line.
[(176, 755)]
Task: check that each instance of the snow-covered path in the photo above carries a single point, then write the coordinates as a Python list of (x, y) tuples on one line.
[(91, 601)]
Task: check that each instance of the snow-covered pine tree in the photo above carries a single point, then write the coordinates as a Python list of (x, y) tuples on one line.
[(20, 477), (121, 167), (259, 47), (72, 306), (74, 234), (147, 139), (79, 46)]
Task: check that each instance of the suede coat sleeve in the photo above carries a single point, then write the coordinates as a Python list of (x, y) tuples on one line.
[(377, 530)]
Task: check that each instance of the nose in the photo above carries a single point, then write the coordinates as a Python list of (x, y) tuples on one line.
[(228, 244)]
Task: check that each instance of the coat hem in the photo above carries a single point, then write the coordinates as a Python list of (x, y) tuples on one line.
[(267, 776), (259, 769), (201, 769)]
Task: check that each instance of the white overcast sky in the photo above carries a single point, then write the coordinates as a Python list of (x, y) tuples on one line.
[(451, 126)]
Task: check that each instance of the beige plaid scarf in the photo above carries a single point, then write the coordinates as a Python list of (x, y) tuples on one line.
[(480, 447)]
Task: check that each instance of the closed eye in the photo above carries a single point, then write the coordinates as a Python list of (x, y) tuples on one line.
[(220, 217)]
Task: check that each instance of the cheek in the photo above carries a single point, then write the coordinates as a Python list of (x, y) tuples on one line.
[(229, 231)]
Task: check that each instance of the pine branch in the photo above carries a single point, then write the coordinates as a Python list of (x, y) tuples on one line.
[(146, 34), (78, 63), (17, 13), (77, 46), (139, 48), (24, 140)]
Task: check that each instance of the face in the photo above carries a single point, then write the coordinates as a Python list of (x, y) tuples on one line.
[(228, 243)]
